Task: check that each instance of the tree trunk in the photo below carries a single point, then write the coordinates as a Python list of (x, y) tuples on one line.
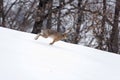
[(59, 15), (40, 15), (49, 20), (79, 21), (113, 45), (2, 16), (102, 33)]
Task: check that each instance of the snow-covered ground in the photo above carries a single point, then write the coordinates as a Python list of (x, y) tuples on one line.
[(23, 58)]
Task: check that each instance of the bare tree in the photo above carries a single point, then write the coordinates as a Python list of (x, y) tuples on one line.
[(42, 14), (79, 22), (2, 16), (113, 45)]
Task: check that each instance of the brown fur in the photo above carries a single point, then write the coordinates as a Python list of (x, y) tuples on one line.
[(53, 34)]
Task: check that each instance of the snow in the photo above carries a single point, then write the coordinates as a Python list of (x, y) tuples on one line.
[(23, 58)]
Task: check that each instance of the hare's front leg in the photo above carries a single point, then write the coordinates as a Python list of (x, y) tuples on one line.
[(38, 35)]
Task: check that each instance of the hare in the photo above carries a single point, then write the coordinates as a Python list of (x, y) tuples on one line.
[(56, 36)]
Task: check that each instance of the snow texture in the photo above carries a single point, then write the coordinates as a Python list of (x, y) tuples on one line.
[(23, 58)]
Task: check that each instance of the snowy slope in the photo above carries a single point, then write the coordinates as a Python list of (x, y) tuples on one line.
[(23, 58)]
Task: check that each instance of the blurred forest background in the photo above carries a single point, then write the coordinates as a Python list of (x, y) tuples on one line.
[(93, 23)]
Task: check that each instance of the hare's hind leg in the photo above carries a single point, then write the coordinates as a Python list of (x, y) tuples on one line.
[(52, 42)]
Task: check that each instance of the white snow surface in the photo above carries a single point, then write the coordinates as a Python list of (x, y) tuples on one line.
[(23, 58)]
